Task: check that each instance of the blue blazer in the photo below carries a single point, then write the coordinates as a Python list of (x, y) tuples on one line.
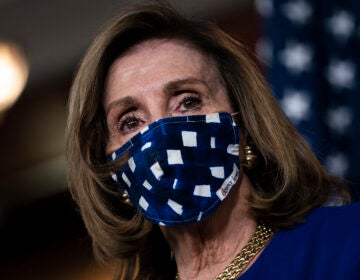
[(326, 246)]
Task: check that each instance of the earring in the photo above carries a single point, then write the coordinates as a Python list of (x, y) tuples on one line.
[(250, 157), (125, 198)]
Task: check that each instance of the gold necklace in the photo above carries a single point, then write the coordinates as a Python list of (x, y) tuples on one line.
[(261, 237)]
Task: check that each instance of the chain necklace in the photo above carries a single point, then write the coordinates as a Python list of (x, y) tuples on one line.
[(261, 237)]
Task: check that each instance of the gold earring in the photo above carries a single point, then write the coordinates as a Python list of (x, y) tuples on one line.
[(125, 198), (250, 157)]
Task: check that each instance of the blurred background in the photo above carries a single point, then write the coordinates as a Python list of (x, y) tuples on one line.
[(309, 52)]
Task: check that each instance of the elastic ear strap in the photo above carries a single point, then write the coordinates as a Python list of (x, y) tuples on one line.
[(236, 118)]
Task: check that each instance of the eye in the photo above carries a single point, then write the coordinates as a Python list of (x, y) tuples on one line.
[(128, 124), (190, 103)]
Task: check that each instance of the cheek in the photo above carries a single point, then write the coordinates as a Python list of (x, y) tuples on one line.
[(113, 144)]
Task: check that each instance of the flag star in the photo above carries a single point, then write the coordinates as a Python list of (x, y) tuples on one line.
[(341, 24), (337, 164), (296, 105), (297, 11), (341, 74), (339, 119), (296, 57), (265, 7)]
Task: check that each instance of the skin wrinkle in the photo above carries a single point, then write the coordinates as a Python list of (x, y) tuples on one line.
[(146, 84), (214, 84), (152, 76), (209, 239), (168, 89)]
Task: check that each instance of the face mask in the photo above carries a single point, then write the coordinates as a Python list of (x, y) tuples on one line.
[(179, 169)]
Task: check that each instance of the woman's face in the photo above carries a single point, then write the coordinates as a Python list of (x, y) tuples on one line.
[(158, 79)]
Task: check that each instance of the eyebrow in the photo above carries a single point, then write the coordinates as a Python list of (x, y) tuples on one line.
[(125, 101), (168, 88), (175, 85)]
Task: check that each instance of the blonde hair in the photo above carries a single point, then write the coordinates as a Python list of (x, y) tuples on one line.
[(288, 179)]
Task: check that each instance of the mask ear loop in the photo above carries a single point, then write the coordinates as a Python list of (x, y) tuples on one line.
[(236, 118)]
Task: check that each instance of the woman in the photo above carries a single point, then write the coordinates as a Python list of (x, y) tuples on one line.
[(184, 166)]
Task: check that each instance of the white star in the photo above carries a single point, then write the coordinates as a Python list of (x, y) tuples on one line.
[(297, 11), (296, 105), (341, 74), (264, 7), (341, 24), (339, 119), (337, 164), (296, 57)]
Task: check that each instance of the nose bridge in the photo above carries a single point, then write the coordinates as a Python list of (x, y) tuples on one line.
[(157, 109)]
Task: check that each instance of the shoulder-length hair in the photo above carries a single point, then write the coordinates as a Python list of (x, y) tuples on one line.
[(288, 180)]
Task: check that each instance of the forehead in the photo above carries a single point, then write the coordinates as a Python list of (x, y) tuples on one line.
[(166, 48), (158, 61)]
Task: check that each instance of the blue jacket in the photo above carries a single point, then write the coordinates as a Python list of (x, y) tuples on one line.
[(326, 246)]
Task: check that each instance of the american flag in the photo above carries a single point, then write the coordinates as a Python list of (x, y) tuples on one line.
[(311, 55)]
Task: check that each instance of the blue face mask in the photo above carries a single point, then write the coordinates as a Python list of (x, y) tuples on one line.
[(179, 169)]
